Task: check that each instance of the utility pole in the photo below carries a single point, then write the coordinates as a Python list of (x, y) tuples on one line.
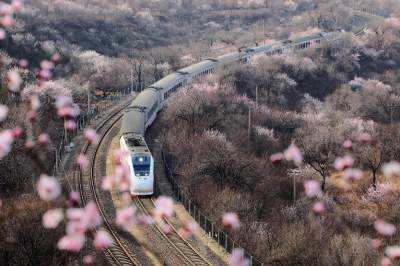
[(132, 78), (256, 96), (249, 129)]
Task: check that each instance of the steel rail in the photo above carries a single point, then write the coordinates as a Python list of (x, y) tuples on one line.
[(176, 240)]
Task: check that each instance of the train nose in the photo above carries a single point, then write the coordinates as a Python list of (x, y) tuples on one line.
[(142, 186)]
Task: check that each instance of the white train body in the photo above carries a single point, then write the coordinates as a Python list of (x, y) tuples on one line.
[(144, 108), (140, 162)]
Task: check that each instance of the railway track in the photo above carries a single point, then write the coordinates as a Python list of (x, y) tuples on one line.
[(118, 253), (185, 250)]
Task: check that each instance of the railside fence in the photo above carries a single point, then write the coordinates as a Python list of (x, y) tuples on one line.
[(212, 230)]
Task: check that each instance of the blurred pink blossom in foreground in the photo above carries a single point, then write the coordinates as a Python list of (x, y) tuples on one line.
[(91, 136), (393, 252), (52, 218), (72, 243), (231, 220), (3, 112), (237, 258), (6, 140), (391, 169), (164, 207), (48, 188), (342, 163), (102, 239), (384, 228), (126, 217), (293, 153), (312, 188)]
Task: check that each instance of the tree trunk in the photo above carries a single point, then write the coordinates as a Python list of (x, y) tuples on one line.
[(374, 178), (323, 183)]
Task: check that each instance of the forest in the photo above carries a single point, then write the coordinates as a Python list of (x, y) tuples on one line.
[(302, 147)]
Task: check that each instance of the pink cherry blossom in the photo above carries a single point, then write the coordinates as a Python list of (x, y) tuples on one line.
[(43, 139), (319, 207), (385, 261), (91, 135), (72, 242), (166, 228), (45, 64), (312, 188), (342, 163), (52, 218), (102, 240), (376, 243), (17, 5), (393, 252), (65, 106), (293, 153), (48, 187), (14, 80), (16, 132), (391, 169), (164, 207), (6, 140), (77, 221), (23, 63), (88, 259), (188, 229), (56, 58), (237, 258), (82, 161), (73, 199), (92, 215), (2, 34), (384, 228), (365, 138), (352, 174), (108, 183), (126, 217), (119, 156), (122, 175), (231, 220), (70, 125), (35, 102), (276, 158), (3, 112)]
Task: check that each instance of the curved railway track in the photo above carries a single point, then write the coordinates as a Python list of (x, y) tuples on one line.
[(118, 252), (186, 251)]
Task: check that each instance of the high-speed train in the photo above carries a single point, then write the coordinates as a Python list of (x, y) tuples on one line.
[(144, 108)]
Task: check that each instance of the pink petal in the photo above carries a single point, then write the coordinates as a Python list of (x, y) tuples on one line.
[(384, 228), (52, 218), (231, 220), (72, 243), (102, 239), (48, 187)]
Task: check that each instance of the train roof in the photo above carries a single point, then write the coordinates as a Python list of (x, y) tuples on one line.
[(168, 81), (197, 68), (133, 121), (136, 143), (228, 58), (145, 99)]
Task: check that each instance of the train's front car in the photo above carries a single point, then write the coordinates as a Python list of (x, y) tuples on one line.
[(141, 164), (142, 177)]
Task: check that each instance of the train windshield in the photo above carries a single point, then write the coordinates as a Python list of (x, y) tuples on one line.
[(141, 165)]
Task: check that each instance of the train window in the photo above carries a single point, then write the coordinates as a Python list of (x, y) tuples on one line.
[(141, 165)]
